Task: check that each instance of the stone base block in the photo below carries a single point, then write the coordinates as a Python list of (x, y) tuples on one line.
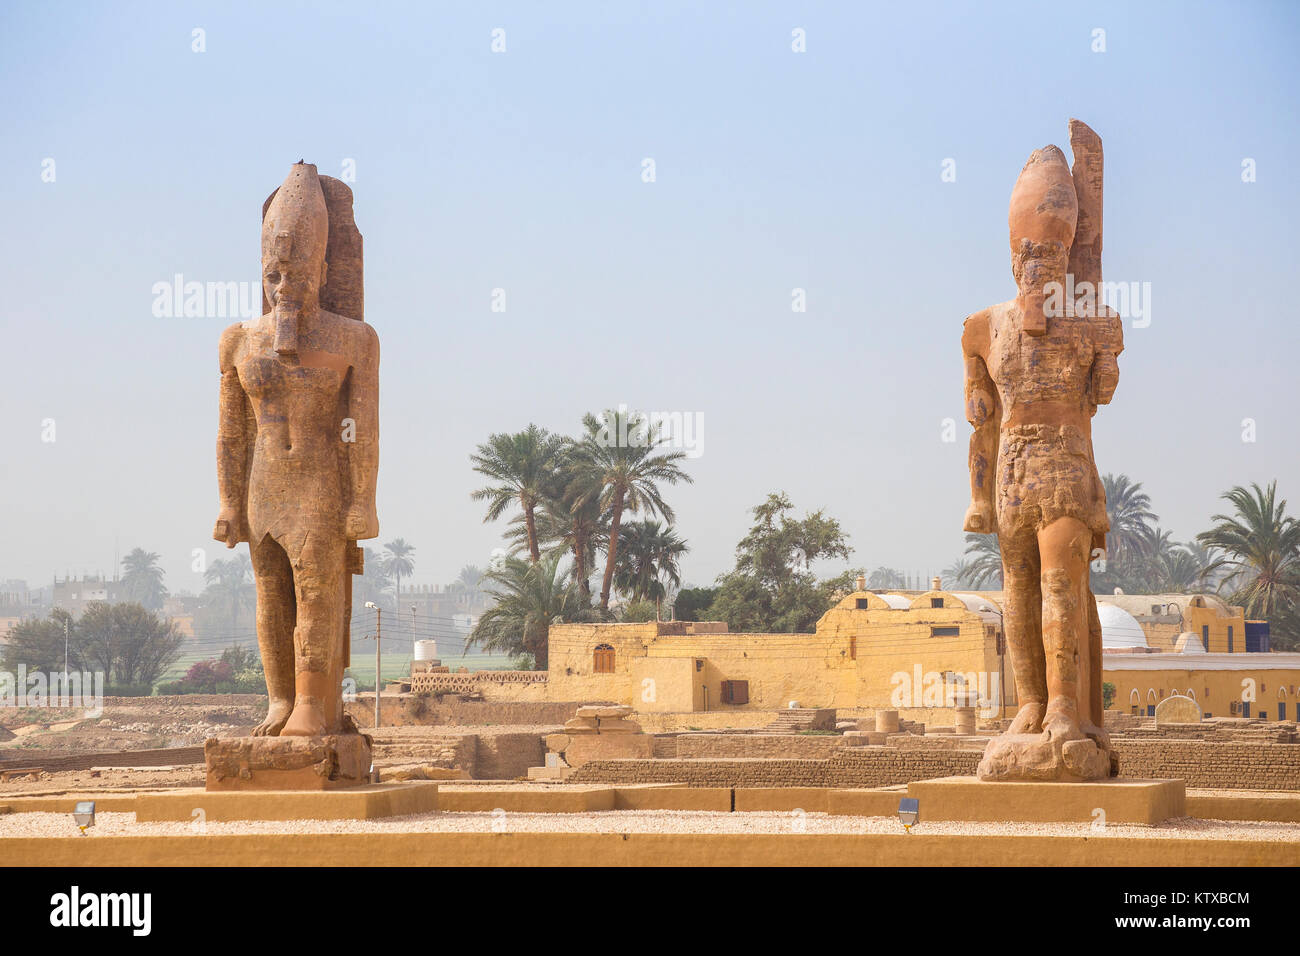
[(586, 747), (287, 763), (550, 774), (368, 802), (1119, 800)]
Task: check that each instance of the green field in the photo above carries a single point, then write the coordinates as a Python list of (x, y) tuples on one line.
[(363, 664)]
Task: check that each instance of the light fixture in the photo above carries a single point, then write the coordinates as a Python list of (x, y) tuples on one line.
[(909, 811), (84, 814)]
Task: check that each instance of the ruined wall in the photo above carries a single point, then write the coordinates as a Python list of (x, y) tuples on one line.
[(1202, 764), (703, 746), (411, 709), (507, 756), (1212, 765)]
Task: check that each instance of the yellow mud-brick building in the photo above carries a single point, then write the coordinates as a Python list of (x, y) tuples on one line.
[(919, 650), (916, 652)]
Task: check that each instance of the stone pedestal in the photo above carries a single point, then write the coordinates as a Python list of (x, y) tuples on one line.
[(1098, 803), (886, 721), (964, 721), (370, 802), (334, 762)]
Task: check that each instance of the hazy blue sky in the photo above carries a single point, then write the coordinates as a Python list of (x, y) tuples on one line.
[(522, 170)]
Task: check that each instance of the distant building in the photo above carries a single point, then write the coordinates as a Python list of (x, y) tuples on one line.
[(73, 594)]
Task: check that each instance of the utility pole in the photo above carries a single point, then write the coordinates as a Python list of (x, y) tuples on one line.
[(379, 618), (65, 652)]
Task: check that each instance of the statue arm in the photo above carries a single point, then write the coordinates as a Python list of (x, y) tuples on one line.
[(984, 412), (363, 450), (1105, 363), (233, 446)]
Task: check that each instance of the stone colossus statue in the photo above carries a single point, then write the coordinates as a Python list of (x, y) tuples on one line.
[(1037, 367), (298, 448)]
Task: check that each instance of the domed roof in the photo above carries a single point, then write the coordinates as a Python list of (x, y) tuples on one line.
[(1119, 628), (1189, 642)]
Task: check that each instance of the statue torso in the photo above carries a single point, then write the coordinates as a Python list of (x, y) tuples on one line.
[(299, 404)]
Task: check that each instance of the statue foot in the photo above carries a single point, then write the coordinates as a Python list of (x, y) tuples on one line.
[(1061, 721), (275, 719), (307, 720), (1029, 718), (1096, 734), (1060, 752)]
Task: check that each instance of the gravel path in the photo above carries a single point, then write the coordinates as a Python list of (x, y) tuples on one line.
[(641, 821)]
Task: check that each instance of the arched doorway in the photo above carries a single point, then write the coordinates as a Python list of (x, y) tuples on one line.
[(602, 659)]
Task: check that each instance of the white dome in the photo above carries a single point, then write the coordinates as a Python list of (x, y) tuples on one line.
[(1189, 642), (1119, 628)]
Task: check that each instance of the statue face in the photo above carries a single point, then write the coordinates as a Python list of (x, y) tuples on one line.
[(293, 285), (1035, 264)]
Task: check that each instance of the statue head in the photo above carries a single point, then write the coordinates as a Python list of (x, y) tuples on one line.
[(295, 231), (1043, 216)]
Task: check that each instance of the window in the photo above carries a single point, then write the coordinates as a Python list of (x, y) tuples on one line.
[(853, 648), (1229, 639), (945, 631), (735, 692), (603, 659), (936, 602), (862, 604)]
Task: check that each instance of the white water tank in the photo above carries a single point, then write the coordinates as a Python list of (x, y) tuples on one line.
[(426, 650)]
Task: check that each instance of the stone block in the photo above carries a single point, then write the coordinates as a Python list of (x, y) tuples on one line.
[(287, 763)]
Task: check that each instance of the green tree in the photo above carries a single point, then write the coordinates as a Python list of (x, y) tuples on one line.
[(1107, 694), (886, 579), (130, 644), (984, 561), (529, 598), (1260, 547), (142, 579), (399, 563), (520, 466), (772, 587), (1131, 520), (620, 463), (230, 588), (372, 582), (692, 602), (39, 645), (648, 556)]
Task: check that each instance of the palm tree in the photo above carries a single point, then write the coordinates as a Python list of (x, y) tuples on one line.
[(399, 563), (371, 584), (142, 579), (230, 586), (470, 581), (1261, 552), (521, 465), (647, 554), (885, 579), (1129, 509), (984, 569), (530, 597), (618, 462)]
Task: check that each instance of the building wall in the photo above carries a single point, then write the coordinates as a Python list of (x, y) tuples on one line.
[(871, 656), (1213, 689)]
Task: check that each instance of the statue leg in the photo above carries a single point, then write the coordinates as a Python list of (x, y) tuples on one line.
[(317, 638), (275, 622), (1093, 719), (1022, 626), (1063, 551)]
